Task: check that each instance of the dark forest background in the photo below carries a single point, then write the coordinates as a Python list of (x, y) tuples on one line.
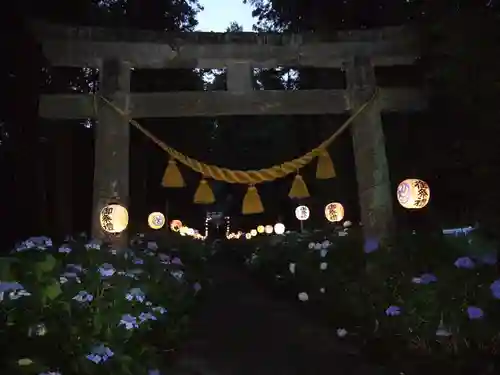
[(47, 167)]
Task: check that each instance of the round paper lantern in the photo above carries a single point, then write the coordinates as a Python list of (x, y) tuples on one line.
[(413, 193), (279, 228), (175, 225), (260, 229), (268, 229), (248, 236), (114, 218), (253, 232), (334, 212), (302, 213), (156, 220)]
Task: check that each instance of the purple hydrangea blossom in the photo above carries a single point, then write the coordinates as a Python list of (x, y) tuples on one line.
[(495, 288), (371, 245), (465, 262), (393, 311), (425, 278), (475, 312)]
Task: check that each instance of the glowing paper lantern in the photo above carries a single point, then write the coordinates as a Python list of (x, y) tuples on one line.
[(413, 193), (302, 213), (279, 228), (269, 229), (334, 212), (113, 218), (183, 231), (175, 225), (253, 232), (260, 229), (248, 236), (156, 220)]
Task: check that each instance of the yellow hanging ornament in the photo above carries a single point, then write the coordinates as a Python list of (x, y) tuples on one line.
[(172, 178), (204, 194), (251, 202), (325, 168), (299, 188)]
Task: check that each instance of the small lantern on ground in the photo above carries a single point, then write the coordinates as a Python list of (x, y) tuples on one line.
[(175, 225), (413, 194), (113, 218), (334, 212), (268, 229), (156, 220), (260, 229), (253, 232), (279, 228)]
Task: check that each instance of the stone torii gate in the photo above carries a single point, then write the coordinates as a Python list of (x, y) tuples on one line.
[(115, 52)]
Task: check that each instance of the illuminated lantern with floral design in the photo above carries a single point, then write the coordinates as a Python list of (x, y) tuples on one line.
[(334, 212), (175, 225), (269, 229), (114, 218), (413, 194), (260, 229), (156, 220)]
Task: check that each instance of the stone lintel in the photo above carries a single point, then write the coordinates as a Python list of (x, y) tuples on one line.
[(85, 46), (224, 103), (112, 140)]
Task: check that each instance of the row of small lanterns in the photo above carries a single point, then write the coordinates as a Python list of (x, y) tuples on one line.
[(411, 194)]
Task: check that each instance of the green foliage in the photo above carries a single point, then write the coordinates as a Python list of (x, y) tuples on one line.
[(356, 289), (64, 306)]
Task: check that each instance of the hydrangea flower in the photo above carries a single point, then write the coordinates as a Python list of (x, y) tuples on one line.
[(318, 246), (159, 309), (474, 312), (326, 244), (303, 296), (146, 316), (152, 245), (94, 245), (138, 261), (135, 294), (393, 311), (100, 354), (495, 288), (129, 321), (371, 245), (177, 261), (341, 332), (323, 266), (64, 249), (465, 263), (311, 245), (83, 296), (107, 270), (426, 278), (323, 253), (177, 274)]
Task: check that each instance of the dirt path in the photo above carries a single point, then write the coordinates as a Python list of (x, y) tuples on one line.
[(242, 330)]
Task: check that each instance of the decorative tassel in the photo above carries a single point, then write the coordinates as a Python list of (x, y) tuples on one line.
[(299, 188), (172, 178), (251, 202), (204, 194), (325, 168)]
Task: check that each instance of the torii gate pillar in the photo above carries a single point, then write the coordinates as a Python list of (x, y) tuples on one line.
[(372, 170), (112, 142)]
